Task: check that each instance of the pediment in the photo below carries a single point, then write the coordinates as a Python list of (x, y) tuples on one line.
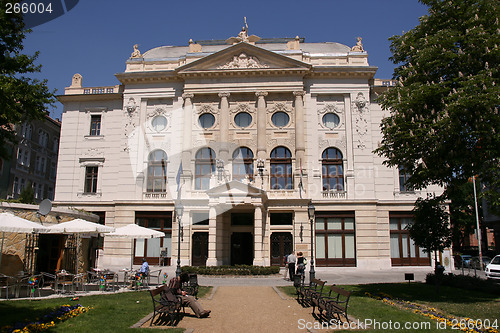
[(243, 56), (236, 189)]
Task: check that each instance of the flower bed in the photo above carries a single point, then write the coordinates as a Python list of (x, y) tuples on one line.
[(464, 324), (49, 320)]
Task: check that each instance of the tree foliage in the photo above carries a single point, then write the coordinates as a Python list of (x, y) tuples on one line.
[(444, 123), (27, 195), (21, 98), (431, 228), (462, 211)]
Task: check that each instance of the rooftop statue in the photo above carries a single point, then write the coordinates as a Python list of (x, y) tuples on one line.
[(136, 53), (243, 36), (359, 46)]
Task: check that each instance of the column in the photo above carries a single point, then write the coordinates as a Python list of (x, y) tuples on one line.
[(258, 259), (188, 128), (299, 127), (212, 236), (261, 124), (224, 126), (349, 172)]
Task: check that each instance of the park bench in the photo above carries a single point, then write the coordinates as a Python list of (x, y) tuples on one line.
[(191, 286), (166, 304), (334, 303), (307, 293)]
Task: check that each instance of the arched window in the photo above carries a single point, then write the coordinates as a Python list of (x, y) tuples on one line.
[(281, 169), (157, 171), (333, 170), (243, 163), (26, 130), (204, 168)]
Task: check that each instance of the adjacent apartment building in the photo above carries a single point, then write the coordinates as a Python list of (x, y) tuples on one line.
[(245, 134), (33, 160)]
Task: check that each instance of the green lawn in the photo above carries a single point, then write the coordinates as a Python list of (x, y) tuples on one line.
[(451, 301), (109, 313)]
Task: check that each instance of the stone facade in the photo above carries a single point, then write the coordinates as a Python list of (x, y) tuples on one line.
[(245, 134)]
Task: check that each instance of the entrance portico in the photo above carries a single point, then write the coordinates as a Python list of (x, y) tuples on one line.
[(231, 208)]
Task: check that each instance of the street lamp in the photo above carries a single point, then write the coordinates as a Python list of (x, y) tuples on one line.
[(310, 212), (179, 210)]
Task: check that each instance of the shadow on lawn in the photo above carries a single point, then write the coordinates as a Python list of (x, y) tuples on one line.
[(421, 292), (16, 313)]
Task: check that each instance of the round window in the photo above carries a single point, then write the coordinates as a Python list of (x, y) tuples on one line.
[(159, 123), (243, 119), (280, 119), (331, 120), (206, 120)]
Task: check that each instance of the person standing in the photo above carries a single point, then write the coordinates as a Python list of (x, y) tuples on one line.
[(301, 263), (291, 260)]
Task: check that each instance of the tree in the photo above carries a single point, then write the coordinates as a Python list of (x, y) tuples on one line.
[(21, 98), (27, 195), (444, 124), (462, 211), (430, 229)]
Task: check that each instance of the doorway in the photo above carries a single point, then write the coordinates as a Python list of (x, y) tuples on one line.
[(50, 253), (281, 244), (199, 249), (241, 248)]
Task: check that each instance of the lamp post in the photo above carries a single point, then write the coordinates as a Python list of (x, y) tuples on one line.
[(179, 210), (310, 212)]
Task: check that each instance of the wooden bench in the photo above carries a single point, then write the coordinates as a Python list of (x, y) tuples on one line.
[(307, 293), (165, 303), (334, 303)]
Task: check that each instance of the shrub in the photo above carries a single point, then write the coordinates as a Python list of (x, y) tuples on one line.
[(232, 270), (465, 282)]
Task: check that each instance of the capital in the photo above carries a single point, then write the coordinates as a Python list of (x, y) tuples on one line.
[(261, 93), (224, 94), (299, 93), (187, 95)]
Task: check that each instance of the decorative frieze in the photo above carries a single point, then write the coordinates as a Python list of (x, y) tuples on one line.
[(243, 61)]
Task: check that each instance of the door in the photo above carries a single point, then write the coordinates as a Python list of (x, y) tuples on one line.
[(281, 244), (241, 248), (200, 249), (50, 253)]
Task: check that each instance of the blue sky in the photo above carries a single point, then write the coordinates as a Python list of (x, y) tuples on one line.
[(96, 37)]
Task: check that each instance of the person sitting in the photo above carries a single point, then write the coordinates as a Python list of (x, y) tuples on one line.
[(175, 286), (145, 267), (141, 274)]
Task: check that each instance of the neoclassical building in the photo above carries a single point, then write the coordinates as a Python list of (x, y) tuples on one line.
[(245, 133)]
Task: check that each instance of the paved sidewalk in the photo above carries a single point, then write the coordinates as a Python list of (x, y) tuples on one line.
[(248, 309)]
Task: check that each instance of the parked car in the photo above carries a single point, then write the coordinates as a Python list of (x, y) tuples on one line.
[(463, 259), (474, 262), (493, 269)]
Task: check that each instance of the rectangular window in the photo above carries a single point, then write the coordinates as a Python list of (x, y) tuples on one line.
[(335, 239), (404, 252), (403, 179), (91, 179), (200, 218), (242, 218), (281, 218), (95, 125), (152, 248)]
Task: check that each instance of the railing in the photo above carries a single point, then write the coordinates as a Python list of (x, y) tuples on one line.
[(334, 194), (155, 195)]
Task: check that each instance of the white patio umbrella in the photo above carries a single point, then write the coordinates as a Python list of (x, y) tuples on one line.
[(134, 231), (12, 223), (78, 226)]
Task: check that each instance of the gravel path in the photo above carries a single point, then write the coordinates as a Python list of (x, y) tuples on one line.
[(248, 309)]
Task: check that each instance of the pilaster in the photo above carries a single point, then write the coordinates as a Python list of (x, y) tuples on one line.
[(261, 124)]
